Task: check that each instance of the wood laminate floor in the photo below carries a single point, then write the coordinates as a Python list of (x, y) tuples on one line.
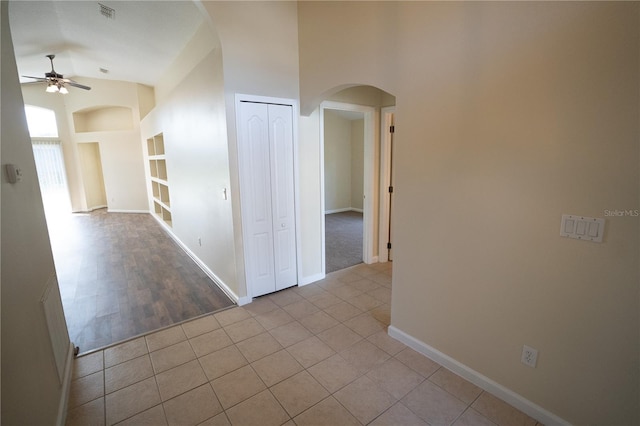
[(121, 275)]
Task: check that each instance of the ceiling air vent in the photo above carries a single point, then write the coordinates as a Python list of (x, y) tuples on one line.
[(107, 12)]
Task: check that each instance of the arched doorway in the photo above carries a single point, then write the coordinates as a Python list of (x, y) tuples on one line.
[(356, 103)]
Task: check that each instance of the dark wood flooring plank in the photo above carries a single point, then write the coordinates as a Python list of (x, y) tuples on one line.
[(121, 275)]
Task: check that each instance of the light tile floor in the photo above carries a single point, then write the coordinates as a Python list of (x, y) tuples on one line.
[(313, 355)]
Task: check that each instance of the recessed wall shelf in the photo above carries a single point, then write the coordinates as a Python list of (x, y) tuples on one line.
[(158, 178)]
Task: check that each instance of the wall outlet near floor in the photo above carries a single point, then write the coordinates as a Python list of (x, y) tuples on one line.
[(529, 356)]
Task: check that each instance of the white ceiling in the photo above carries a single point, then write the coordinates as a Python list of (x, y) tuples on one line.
[(138, 45)]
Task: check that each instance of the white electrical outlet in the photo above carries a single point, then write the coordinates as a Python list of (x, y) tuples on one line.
[(529, 356)]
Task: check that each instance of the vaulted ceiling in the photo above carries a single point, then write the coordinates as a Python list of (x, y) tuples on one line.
[(130, 40)]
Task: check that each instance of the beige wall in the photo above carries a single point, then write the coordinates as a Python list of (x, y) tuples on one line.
[(311, 214), (191, 116), (146, 99), (120, 146), (508, 116), (260, 48), (362, 95), (337, 162), (31, 390), (103, 119), (343, 162), (91, 169), (120, 150), (357, 163)]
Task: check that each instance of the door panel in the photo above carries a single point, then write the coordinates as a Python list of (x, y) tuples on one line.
[(258, 145), (255, 196), (265, 149), (262, 255), (282, 182)]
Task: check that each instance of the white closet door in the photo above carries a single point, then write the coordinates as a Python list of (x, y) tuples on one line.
[(255, 192), (282, 184), (265, 148)]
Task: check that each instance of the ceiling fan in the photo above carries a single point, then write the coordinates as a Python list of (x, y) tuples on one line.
[(56, 82)]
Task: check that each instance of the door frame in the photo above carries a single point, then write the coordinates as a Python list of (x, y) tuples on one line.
[(386, 120), (295, 110), (368, 222)]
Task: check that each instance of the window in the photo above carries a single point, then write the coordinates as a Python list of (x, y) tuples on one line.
[(47, 153), (41, 122)]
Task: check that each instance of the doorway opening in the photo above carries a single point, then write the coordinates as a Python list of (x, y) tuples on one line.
[(343, 188), (376, 108), (347, 134), (92, 175)]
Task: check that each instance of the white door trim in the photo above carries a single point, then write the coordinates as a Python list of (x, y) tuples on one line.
[(386, 120), (240, 97), (370, 128)]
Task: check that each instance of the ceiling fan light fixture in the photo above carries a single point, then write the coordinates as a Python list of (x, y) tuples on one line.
[(56, 83)]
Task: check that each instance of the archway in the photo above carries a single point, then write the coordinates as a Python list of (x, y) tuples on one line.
[(365, 103)]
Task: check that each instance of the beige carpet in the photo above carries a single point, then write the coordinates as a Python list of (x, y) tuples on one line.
[(343, 240)]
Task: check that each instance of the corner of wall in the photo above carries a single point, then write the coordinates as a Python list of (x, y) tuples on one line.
[(478, 379)]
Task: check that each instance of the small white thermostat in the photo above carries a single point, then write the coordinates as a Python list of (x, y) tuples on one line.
[(13, 173)]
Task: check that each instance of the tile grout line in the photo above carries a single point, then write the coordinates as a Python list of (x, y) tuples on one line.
[(305, 369), (104, 384)]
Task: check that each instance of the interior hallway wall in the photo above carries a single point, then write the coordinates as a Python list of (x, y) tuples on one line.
[(337, 162), (31, 390), (357, 164), (508, 116), (260, 49), (191, 116), (117, 130), (91, 169), (120, 147), (343, 162)]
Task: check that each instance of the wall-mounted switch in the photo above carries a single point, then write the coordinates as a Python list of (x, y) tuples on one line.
[(582, 228), (224, 193)]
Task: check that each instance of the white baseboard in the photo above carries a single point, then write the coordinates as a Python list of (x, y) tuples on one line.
[(89, 210), (244, 300), (348, 209), (483, 382), (66, 386), (310, 279), (126, 211), (221, 284)]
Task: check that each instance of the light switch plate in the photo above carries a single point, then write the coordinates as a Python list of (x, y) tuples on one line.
[(582, 228)]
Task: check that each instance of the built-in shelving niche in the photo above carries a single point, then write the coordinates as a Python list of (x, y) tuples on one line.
[(158, 178)]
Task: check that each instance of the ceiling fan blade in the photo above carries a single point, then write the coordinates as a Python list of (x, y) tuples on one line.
[(78, 85), (36, 78)]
